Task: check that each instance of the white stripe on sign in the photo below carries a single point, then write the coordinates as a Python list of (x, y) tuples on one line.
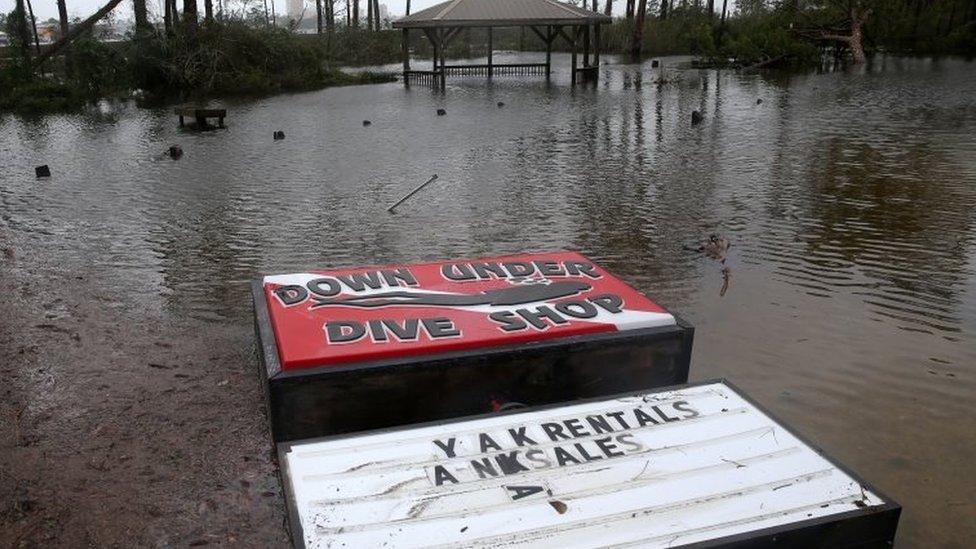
[(655, 470)]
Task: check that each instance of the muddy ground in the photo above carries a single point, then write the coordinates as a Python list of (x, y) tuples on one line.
[(123, 428)]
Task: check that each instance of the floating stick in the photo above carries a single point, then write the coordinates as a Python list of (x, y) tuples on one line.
[(413, 192)]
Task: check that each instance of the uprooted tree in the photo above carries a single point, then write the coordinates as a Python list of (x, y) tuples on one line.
[(854, 13)]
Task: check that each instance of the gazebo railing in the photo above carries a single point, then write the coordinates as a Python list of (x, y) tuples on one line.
[(426, 78), (497, 69)]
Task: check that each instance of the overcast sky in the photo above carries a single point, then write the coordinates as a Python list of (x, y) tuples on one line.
[(44, 9)]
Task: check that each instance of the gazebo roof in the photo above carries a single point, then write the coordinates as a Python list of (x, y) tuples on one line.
[(500, 13)]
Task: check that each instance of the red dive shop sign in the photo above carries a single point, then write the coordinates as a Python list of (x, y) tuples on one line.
[(363, 314)]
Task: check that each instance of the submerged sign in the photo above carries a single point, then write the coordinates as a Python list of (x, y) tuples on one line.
[(350, 315), (348, 350), (695, 464)]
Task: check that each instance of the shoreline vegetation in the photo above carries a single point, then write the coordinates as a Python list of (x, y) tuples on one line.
[(243, 53)]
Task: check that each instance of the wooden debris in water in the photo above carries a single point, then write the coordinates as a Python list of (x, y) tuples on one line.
[(413, 192)]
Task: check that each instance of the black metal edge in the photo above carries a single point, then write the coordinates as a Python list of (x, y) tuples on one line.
[(294, 520), (659, 332), (769, 535), (687, 344), (266, 339), (488, 415), (888, 505)]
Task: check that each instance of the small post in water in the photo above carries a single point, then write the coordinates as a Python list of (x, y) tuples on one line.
[(413, 192)]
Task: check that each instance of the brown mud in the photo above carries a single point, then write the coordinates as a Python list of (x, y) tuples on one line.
[(124, 429)]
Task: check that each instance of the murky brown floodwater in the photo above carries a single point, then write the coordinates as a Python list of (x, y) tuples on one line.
[(850, 199)]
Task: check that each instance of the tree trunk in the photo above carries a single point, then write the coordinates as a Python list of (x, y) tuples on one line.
[(608, 8), (348, 15), (141, 16), (638, 39), (377, 24), (37, 41), (664, 9), (318, 16), (725, 4), (408, 6), (167, 16), (22, 31), (63, 18), (711, 8), (355, 14), (857, 46), (207, 10), (190, 14), (629, 10)]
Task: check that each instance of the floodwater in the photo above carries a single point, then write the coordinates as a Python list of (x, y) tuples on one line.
[(849, 199)]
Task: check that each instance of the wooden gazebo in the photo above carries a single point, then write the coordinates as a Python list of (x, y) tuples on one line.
[(548, 19)]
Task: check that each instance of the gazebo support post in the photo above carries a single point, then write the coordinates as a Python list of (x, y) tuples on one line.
[(549, 36), (596, 47), (586, 46), (442, 35), (490, 49), (406, 56), (576, 32)]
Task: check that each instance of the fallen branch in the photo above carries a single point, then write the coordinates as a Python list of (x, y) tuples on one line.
[(75, 32)]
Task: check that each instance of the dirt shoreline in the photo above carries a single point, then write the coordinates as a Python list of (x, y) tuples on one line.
[(123, 428)]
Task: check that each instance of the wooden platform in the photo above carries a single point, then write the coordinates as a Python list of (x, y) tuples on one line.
[(201, 115)]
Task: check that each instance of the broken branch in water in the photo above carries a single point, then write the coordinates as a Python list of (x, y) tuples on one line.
[(413, 192)]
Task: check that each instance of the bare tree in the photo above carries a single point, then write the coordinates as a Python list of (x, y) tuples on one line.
[(207, 10), (608, 7), (664, 9)]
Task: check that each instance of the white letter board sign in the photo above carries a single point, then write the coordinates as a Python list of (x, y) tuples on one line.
[(691, 465)]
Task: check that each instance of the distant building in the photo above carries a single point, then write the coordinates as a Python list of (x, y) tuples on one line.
[(48, 33)]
